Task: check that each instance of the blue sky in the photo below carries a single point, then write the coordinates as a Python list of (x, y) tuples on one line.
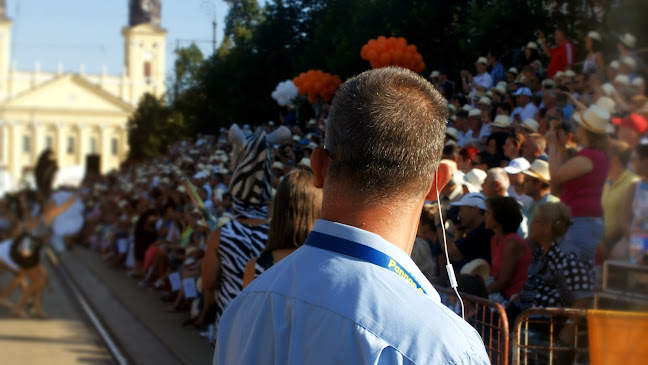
[(88, 32)]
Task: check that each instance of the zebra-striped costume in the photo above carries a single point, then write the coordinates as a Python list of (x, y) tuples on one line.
[(251, 190)]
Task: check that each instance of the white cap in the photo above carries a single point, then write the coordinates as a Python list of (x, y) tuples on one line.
[(569, 73), (614, 65), (607, 88), (630, 62), (594, 35), (452, 133), (305, 162), (622, 79), (435, 73), (482, 60), (532, 45), (517, 165), (559, 74), (523, 91), (474, 179), (638, 81), (513, 70), (474, 113), (628, 40), (500, 89), (466, 107), (471, 200), (484, 100)]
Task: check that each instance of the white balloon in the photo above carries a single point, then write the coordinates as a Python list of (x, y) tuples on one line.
[(284, 93)]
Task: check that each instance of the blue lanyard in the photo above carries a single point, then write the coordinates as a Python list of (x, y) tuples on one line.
[(362, 252)]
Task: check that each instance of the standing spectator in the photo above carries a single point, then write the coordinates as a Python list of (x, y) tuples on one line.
[(626, 46), (296, 206), (581, 179), (324, 297), (536, 186), (531, 55), (480, 83), (619, 180), (446, 87), (512, 146), (594, 61), (562, 55), (497, 72)]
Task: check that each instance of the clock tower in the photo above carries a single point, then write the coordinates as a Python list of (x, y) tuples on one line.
[(144, 50)]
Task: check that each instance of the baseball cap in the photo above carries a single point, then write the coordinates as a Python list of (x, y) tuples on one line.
[(523, 91), (517, 165), (634, 121), (471, 200)]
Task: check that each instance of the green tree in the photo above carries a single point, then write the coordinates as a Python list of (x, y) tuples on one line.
[(151, 128)]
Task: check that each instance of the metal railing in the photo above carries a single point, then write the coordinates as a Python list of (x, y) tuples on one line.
[(488, 318)]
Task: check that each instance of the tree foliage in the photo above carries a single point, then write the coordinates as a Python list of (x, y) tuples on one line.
[(152, 128), (265, 45)]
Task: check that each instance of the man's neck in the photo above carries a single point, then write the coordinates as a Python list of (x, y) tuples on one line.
[(397, 227)]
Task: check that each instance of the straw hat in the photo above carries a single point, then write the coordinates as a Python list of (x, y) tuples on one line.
[(482, 60), (502, 121), (594, 119), (530, 124), (628, 40), (453, 133), (539, 169), (594, 35)]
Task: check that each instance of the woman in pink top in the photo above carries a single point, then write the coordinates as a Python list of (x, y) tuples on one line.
[(510, 254), (582, 178)]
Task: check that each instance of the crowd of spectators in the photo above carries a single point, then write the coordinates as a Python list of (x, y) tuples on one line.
[(550, 176)]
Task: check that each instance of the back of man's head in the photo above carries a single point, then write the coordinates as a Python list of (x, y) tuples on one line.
[(496, 183), (385, 134)]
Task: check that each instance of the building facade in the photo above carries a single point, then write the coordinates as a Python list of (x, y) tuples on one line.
[(78, 114)]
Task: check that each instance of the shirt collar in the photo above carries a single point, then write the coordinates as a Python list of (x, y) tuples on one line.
[(374, 241)]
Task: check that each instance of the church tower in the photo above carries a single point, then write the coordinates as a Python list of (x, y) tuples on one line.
[(5, 47), (144, 50)]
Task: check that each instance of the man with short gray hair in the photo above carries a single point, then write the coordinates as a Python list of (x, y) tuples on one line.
[(351, 294)]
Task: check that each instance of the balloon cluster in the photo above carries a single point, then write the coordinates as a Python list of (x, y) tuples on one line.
[(284, 93), (317, 83), (392, 51)]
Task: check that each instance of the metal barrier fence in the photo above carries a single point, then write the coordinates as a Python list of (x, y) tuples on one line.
[(551, 336), (488, 318)]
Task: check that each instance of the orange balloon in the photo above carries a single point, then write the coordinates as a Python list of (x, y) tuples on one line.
[(385, 59)]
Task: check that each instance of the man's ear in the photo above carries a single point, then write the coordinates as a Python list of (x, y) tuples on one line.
[(441, 177), (319, 164)]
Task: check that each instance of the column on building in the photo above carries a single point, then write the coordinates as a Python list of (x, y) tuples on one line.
[(82, 144), (38, 139), (104, 151), (122, 144), (4, 143), (61, 142), (16, 150)]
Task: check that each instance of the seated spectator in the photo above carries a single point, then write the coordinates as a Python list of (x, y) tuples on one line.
[(513, 145), (510, 254), (615, 190), (536, 186), (525, 108), (496, 183), (495, 147), (473, 181), (533, 147), (296, 206), (555, 278), (465, 158), (426, 234), (471, 238), (516, 179)]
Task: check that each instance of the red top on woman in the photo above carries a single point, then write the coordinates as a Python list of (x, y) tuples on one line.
[(520, 275), (583, 194)]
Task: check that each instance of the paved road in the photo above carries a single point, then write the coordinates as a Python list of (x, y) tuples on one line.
[(133, 317), (65, 337)]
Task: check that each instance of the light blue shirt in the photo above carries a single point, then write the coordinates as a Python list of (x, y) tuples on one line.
[(320, 307)]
